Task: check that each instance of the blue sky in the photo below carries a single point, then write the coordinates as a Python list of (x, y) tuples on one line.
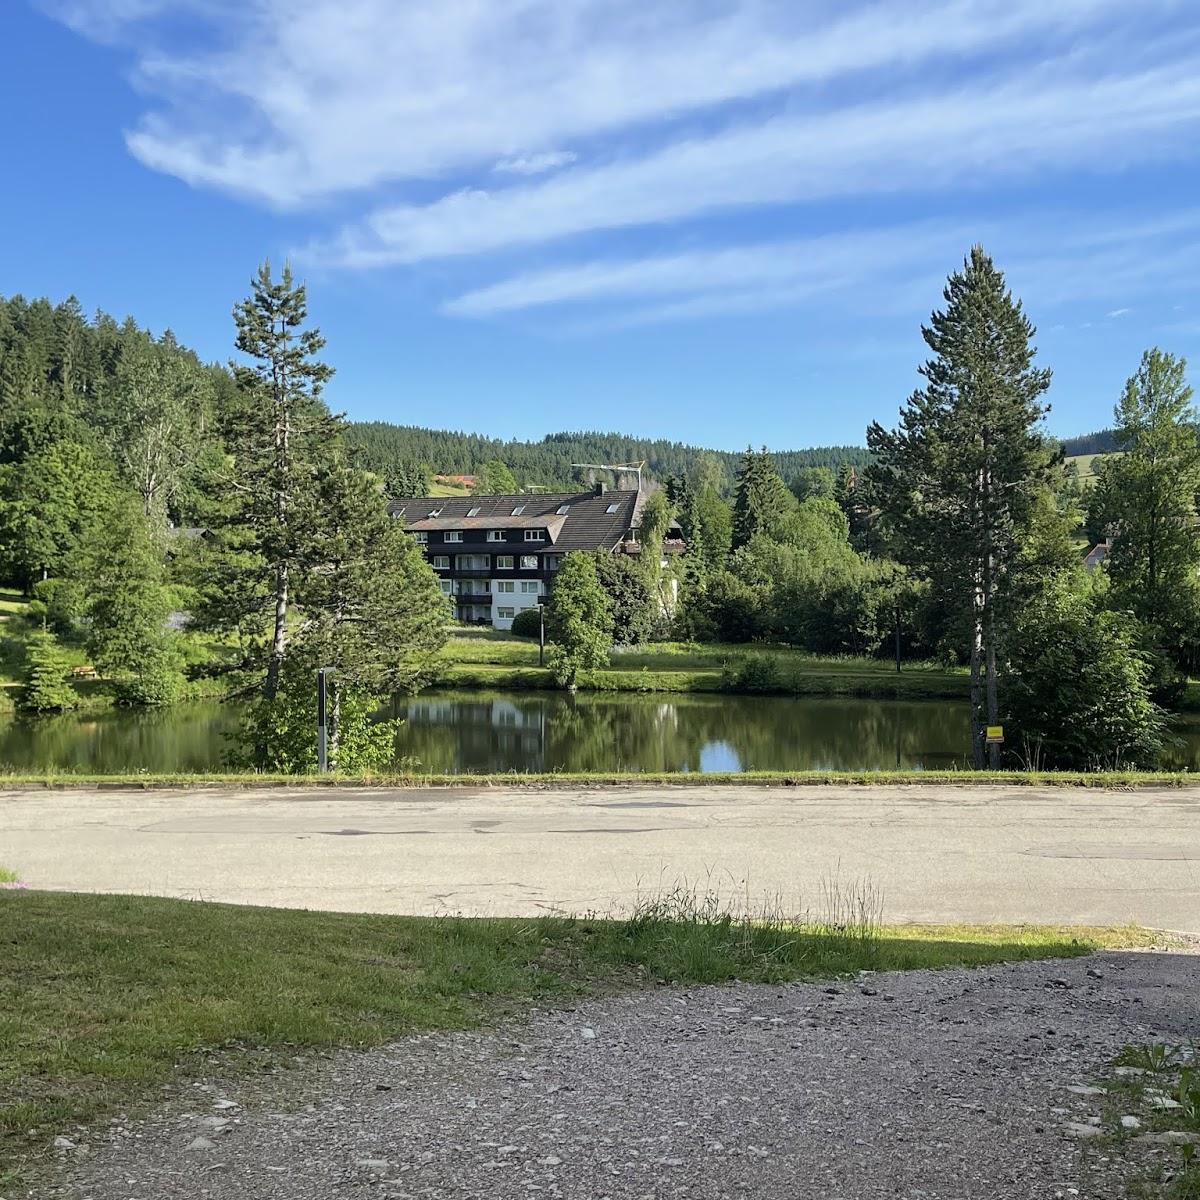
[(717, 221)]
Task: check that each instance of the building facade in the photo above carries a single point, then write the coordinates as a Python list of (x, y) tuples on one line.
[(496, 555)]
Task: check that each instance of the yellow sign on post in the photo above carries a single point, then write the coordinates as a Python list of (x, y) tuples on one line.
[(995, 735)]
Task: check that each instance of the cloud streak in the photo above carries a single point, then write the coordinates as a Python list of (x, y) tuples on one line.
[(290, 103)]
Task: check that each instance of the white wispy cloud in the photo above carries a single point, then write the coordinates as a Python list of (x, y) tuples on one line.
[(725, 279), (1069, 257), (441, 127), (291, 102), (1118, 312), (535, 164)]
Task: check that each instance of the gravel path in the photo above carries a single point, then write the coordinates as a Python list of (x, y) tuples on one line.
[(931, 1085)]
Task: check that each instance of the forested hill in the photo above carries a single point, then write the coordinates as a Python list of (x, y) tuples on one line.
[(99, 382), (385, 448), (1102, 442)]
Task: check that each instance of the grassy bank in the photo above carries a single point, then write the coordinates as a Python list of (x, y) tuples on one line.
[(103, 999), (1126, 780), (487, 659)]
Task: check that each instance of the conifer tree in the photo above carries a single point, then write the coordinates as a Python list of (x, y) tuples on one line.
[(279, 429), (761, 500), (127, 608), (44, 686), (958, 478)]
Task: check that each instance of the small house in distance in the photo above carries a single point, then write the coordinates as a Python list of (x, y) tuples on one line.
[(495, 555), (1097, 554)]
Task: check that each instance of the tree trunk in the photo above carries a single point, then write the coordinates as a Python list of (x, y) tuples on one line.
[(976, 683), (279, 638), (335, 731), (282, 486), (993, 692)]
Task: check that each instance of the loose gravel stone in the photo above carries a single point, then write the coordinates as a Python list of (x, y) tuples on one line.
[(955, 1091)]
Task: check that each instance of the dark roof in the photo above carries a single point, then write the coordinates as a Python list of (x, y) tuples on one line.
[(587, 524)]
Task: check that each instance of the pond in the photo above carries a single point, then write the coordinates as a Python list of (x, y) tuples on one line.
[(545, 731)]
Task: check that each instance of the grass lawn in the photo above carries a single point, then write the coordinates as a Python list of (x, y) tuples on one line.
[(105, 998), (11, 603), (493, 659)]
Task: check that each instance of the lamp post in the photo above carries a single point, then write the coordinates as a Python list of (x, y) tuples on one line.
[(323, 719), (541, 631)]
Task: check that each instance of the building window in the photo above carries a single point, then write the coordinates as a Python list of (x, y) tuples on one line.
[(436, 512), (516, 512), (445, 585), (474, 512), (612, 508), (441, 562), (504, 562), (528, 562), (472, 562), (495, 535), (420, 537), (454, 535), (563, 509), (535, 535), (504, 585), (551, 561), (530, 587), (506, 614)]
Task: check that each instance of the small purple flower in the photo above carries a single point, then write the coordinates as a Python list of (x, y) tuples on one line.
[(13, 885)]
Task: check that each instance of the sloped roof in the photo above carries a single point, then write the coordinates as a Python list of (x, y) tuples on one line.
[(587, 524)]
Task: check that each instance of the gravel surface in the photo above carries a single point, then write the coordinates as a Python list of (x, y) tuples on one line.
[(927, 1085)]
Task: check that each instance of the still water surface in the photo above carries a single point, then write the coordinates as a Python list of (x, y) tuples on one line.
[(544, 731)]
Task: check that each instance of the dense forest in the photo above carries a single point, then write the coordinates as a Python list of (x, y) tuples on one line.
[(410, 451), (389, 450)]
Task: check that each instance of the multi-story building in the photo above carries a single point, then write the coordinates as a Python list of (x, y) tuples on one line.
[(496, 555)]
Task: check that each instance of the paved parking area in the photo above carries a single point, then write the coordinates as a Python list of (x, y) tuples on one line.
[(935, 853)]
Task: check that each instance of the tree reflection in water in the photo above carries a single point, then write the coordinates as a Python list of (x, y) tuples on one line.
[(549, 731)]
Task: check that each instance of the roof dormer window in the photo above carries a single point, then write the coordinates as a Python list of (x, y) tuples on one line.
[(516, 512), (563, 509), (435, 512), (612, 508), (474, 512)]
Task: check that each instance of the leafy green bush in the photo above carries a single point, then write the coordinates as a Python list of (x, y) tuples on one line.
[(1078, 688), (527, 623), (754, 673)]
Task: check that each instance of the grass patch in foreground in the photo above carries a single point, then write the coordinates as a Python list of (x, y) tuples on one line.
[(104, 998)]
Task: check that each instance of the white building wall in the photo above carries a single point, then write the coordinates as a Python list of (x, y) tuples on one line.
[(515, 600)]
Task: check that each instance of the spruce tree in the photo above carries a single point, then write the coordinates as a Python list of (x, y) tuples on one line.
[(367, 605), (278, 430), (958, 478), (762, 502), (44, 686), (127, 608)]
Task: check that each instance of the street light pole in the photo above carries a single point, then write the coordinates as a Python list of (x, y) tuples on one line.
[(541, 633)]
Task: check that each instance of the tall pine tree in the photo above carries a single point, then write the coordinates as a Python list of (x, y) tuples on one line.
[(278, 431), (957, 480)]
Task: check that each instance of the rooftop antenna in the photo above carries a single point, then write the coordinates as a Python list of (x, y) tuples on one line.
[(618, 469)]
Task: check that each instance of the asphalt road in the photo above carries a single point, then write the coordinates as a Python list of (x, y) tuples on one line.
[(937, 854)]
